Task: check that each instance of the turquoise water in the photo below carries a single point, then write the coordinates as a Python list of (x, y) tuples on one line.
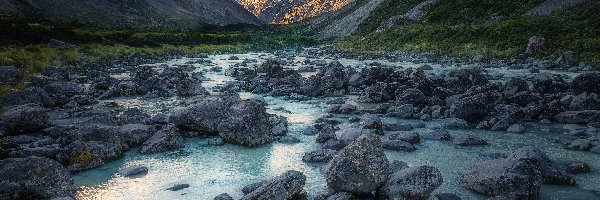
[(212, 170)]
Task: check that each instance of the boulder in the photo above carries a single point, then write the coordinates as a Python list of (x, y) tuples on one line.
[(34, 178), (133, 170), (535, 45), (468, 140), (586, 82), (549, 172), (473, 108), (578, 168), (454, 123), (10, 75), (516, 128), (408, 136), (580, 145), (25, 119), (438, 134), (397, 145), (178, 187), (405, 111), (136, 134), (34, 95), (319, 155), (204, 116), (411, 183), (369, 121), (359, 168), (164, 140), (248, 125), (289, 185), (223, 196)]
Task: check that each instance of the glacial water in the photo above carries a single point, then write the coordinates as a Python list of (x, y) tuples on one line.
[(212, 170)]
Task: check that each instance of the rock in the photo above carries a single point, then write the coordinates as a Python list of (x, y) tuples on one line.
[(411, 183), (550, 174), (34, 178), (580, 145), (223, 196), (369, 121), (61, 92), (566, 59), (517, 179), (397, 127), (473, 108), (341, 196), (348, 136), (136, 134), (535, 45), (204, 116), (34, 95), (454, 123), (325, 132), (319, 155), (585, 101), (516, 128), (341, 109), (25, 118), (586, 82), (404, 111), (164, 140), (332, 144), (469, 140), (233, 57), (289, 140), (398, 145), (359, 168), (178, 187), (133, 170), (438, 134), (408, 136), (251, 187), (248, 125), (10, 75), (286, 186), (397, 165), (578, 168), (425, 67), (578, 117)]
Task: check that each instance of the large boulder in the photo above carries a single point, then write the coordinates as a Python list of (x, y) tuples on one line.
[(551, 174), (517, 179), (359, 168), (248, 125), (25, 118), (61, 92), (166, 139), (319, 155), (289, 185), (411, 183), (587, 82), (205, 115), (34, 178), (473, 108), (535, 45)]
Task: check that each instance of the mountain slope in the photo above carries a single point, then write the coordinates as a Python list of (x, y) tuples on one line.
[(290, 11), (153, 13)]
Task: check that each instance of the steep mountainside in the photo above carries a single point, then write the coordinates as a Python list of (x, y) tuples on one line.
[(160, 13), (290, 11)]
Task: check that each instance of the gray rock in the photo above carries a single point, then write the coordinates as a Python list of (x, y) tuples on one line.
[(289, 140), (578, 117), (411, 183), (580, 145), (223, 196), (25, 118), (319, 155), (359, 168), (398, 145), (550, 173), (164, 140), (179, 187), (397, 127), (34, 178), (468, 141), (397, 165), (251, 187), (438, 134), (408, 136), (454, 123), (369, 121), (136, 134), (578, 168), (286, 186), (535, 45), (586, 82), (33, 95), (248, 125), (341, 196), (516, 128), (133, 170), (204, 116), (405, 111), (447, 196), (472, 108), (10, 75)]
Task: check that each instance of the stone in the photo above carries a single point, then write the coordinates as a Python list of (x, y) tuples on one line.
[(469, 140), (411, 183), (10, 75), (133, 170), (586, 82), (319, 155), (578, 168), (359, 168), (289, 185), (25, 118), (164, 140), (516, 128), (578, 117), (223, 196), (580, 145), (178, 187), (248, 125), (34, 178), (437, 134), (535, 45)]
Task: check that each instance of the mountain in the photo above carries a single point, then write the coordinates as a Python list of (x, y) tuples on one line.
[(147, 13), (290, 11)]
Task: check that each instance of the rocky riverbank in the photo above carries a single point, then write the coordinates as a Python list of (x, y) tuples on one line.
[(70, 120)]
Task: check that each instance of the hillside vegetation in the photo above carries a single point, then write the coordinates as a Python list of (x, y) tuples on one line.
[(495, 28)]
